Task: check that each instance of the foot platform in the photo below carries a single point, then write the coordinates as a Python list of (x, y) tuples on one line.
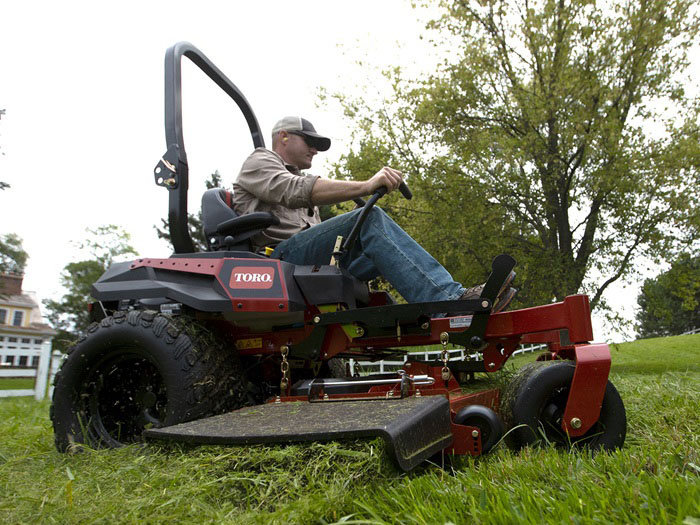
[(413, 428)]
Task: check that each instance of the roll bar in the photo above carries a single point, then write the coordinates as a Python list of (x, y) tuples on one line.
[(172, 171)]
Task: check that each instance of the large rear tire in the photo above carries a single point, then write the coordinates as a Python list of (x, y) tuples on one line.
[(137, 370), (533, 405)]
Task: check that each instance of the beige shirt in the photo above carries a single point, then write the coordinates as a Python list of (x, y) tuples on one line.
[(266, 183)]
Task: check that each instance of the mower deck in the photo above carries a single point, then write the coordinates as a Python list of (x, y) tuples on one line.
[(414, 428)]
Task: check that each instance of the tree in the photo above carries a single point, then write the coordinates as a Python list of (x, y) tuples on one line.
[(13, 258), (556, 130), (669, 304), (69, 315)]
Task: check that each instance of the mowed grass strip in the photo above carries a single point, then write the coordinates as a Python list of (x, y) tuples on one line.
[(655, 478)]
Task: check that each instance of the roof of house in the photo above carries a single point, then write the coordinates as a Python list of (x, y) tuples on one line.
[(26, 299)]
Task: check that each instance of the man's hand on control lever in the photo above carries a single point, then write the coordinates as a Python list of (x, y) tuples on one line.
[(387, 177)]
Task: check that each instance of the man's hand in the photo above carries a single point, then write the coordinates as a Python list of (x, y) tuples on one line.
[(386, 176)]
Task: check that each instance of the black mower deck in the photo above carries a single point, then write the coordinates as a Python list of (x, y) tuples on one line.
[(414, 428)]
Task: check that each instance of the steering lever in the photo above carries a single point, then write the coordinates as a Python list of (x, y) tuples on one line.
[(366, 208)]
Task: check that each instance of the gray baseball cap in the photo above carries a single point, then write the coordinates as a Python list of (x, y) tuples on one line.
[(301, 126)]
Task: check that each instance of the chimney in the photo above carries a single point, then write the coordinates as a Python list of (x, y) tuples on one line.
[(11, 283)]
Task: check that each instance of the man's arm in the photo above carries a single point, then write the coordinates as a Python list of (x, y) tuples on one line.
[(329, 191)]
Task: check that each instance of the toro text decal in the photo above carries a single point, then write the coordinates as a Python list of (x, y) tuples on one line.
[(254, 277)]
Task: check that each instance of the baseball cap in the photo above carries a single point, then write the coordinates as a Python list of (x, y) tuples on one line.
[(303, 127)]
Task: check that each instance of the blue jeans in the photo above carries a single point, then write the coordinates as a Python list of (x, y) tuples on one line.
[(381, 248)]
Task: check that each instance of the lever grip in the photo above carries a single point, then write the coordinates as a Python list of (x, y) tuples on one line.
[(405, 191), (382, 190)]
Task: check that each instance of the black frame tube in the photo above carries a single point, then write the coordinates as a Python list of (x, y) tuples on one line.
[(177, 208)]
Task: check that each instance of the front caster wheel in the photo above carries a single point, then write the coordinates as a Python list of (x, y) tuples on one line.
[(533, 406)]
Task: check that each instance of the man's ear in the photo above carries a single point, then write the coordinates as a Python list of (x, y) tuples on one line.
[(281, 138)]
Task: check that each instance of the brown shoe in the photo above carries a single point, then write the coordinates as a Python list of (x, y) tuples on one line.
[(472, 293)]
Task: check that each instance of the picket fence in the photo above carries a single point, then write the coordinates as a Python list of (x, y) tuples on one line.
[(43, 373), (364, 367)]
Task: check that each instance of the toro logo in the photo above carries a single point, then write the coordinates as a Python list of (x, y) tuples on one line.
[(255, 277)]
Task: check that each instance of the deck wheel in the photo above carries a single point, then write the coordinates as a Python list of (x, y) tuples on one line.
[(486, 420)]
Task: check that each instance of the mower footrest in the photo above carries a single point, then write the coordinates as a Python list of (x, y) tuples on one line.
[(413, 428)]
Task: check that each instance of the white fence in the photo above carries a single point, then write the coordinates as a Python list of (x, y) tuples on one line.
[(458, 354), (455, 355), (37, 363)]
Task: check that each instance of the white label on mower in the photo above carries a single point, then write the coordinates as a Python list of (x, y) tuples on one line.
[(252, 277), (460, 322)]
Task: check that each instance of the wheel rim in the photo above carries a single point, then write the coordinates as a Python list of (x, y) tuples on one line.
[(551, 415), (125, 394)]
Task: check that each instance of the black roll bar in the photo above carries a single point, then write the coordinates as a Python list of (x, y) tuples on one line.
[(172, 170)]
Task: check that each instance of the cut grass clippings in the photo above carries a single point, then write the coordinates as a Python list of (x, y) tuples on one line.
[(654, 478)]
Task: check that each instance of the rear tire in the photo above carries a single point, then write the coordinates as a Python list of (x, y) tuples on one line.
[(137, 370), (534, 402)]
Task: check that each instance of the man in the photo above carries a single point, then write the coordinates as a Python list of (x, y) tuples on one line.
[(272, 181)]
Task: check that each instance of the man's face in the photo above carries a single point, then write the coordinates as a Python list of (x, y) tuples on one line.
[(298, 152)]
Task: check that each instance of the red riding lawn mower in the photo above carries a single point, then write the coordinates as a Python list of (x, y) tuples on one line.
[(228, 346)]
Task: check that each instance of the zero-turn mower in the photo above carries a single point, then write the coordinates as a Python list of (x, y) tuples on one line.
[(228, 346)]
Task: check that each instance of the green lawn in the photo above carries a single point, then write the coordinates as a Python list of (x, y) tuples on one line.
[(16, 383), (654, 479)]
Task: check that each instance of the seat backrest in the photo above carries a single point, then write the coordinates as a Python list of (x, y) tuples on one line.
[(224, 229), (217, 208)]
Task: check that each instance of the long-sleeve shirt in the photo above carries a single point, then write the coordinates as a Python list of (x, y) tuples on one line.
[(266, 183)]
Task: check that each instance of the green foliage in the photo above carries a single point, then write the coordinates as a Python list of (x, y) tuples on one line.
[(194, 222), (69, 315), (13, 258), (556, 131), (669, 304), (655, 478)]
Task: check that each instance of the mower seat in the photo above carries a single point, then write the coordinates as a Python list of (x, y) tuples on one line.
[(224, 229)]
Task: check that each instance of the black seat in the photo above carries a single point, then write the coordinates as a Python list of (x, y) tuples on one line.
[(224, 229)]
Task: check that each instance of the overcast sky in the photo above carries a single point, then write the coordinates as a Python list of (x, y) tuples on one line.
[(82, 86)]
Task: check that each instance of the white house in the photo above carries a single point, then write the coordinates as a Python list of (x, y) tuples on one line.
[(23, 334)]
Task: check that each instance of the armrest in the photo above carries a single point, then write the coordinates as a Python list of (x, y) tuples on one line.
[(258, 220)]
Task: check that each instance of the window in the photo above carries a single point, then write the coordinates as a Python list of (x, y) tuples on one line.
[(38, 341), (23, 360), (3, 316), (9, 360), (17, 319), (12, 339), (26, 340), (35, 361)]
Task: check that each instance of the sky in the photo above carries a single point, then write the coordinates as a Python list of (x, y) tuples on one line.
[(82, 87)]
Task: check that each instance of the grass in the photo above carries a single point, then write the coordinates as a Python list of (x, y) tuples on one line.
[(654, 479), (16, 383)]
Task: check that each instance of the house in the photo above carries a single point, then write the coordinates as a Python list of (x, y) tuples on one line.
[(23, 334)]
